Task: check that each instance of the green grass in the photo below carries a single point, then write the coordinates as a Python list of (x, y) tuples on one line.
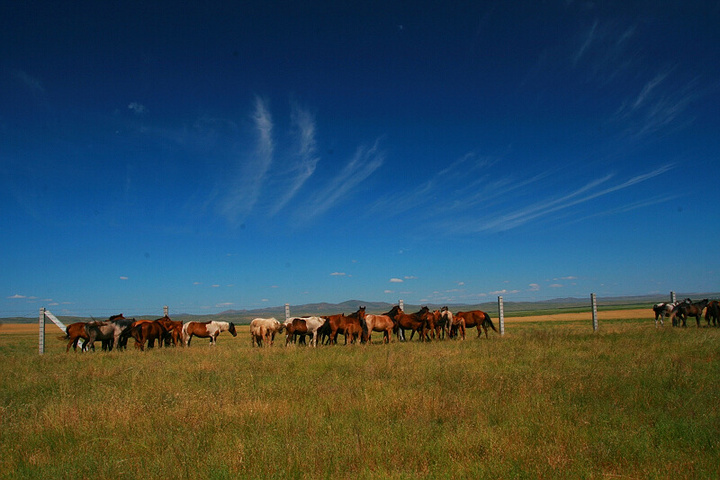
[(544, 401)]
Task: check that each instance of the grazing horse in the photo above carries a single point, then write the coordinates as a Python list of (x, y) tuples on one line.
[(439, 322), (456, 325), (148, 331), (295, 327), (346, 324), (257, 334), (665, 309), (712, 313), (110, 330), (377, 323), (269, 326), (415, 322), (477, 318), (173, 330), (313, 325), (209, 330), (685, 310), (76, 331)]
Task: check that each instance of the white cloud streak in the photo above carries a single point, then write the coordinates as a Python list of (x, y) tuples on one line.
[(581, 195), (360, 167), (304, 123), (244, 192)]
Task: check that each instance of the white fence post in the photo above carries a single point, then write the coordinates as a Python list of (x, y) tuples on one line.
[(673, 298), (41, 328), (401, 304), (501, 315), (165, 311), (593, 301), (287, 311)]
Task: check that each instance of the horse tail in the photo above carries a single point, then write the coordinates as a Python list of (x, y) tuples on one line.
[(488, 322)]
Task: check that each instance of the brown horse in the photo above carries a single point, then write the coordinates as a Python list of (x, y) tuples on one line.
[(712, 313), (415, 322), (209, 330), (294, 328), (173, 330), (456, 325), (685, 310), (75, 332), (148, 331), (477, 318), (377, 323), (349, 325)]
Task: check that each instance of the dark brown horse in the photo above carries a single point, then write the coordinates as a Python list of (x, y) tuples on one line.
[(348, 325), (415, 322), (712, 313), (685, 310), (477, 318)]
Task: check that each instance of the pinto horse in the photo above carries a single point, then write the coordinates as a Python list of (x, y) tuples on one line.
[(209, 330), (377, 323), (346, 324), (477, 318), (665, 309), (415, 322)]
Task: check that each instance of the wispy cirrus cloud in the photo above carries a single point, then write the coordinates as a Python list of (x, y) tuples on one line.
[(583, 194), (307, 157), (31, 83), (269, 179), (253, 168), (364, 163)]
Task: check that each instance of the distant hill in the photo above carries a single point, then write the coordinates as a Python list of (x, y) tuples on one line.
[(349, 306)]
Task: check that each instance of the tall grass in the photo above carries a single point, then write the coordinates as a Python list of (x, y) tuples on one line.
[(544, 401)]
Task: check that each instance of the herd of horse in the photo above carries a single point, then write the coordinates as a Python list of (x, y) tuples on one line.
[(117, 330), (679, 312), (355, 327), (359, 326)]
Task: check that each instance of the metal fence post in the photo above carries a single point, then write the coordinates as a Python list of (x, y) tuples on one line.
[(501, 315), (287, 311), (165, 311), (593, 301), (673, 298)]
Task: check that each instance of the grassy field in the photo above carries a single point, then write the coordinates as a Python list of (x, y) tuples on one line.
[(547, 400)]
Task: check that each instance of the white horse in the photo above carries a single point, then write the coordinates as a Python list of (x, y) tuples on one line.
[(209, 330), (264, 329)]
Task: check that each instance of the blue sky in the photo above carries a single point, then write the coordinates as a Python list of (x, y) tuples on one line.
[(211, 156)]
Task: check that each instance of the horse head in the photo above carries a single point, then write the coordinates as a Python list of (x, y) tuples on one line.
[(231, 329)]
